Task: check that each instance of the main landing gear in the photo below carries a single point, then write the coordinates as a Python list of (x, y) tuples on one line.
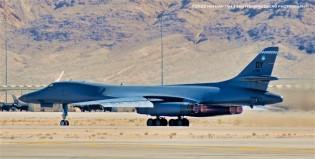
[(64, 121), (172, 122)]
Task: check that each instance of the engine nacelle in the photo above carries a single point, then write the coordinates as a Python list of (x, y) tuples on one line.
[(196, 110), (166, 109), (212, 110)]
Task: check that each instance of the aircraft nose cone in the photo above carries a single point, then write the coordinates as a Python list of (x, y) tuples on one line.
[(23, 98), (28, 98)]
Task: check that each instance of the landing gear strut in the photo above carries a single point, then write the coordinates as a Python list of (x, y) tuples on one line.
[(172, 122), (64, 121)]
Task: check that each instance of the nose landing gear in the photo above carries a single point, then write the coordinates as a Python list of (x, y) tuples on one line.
[(64, 121)]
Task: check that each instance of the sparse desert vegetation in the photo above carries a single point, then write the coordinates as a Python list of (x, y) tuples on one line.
[(26, 126), (122, 134)]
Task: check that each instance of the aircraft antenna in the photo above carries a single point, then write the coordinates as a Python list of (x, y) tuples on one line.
[(5, 49), (162, 53)]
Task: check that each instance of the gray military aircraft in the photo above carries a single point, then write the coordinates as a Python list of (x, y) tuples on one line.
[(20, 105), (93, 107), (15, 106), (249, 88), (5, 106)]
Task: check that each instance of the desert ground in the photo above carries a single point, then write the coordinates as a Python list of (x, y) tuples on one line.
[(253, 134), (105, 41)]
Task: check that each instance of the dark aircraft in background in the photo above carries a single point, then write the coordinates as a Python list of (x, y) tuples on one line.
[(249, 88), (20, 105), (6, 106), (16, 105), (93, 107)]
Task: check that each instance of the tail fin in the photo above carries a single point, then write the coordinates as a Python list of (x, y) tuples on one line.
[(60, 76), (257, 74), (15, 100)]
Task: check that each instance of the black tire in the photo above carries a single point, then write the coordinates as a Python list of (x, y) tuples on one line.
[(62, 123), (179, 122), (171, 122), (150, 122), (185, 122), (164, 122), (158, 122)]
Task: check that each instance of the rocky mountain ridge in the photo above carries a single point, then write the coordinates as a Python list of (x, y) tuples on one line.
[(98, 21), (72, 35)]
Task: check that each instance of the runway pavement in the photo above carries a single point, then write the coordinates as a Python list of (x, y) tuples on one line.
[(124, 135)]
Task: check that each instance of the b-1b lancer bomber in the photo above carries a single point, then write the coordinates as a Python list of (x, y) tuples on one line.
[(248, 88)]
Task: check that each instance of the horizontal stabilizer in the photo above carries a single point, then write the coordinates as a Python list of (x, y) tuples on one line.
[(138, 102)]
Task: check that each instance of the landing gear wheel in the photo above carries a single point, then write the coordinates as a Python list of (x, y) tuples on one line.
[(157, 122), (150, 122), (179, 122), (172, 122), (163, 122), (64, 123), (185, 122)]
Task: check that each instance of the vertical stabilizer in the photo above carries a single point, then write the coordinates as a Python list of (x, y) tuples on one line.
[(257, 74), (15, 100), (263, 63)]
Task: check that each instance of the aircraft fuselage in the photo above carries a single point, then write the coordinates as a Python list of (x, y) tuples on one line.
[(73, 92)]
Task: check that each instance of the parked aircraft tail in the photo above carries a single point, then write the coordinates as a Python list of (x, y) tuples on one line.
[(60, 76), (257, 74), (15, 100)]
